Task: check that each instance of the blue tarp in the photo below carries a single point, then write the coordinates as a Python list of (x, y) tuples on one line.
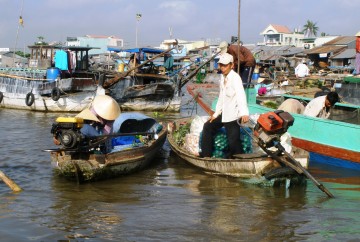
[(137, 50)]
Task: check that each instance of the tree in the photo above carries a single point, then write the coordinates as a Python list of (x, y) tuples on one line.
[(41, 41), (310, 29)]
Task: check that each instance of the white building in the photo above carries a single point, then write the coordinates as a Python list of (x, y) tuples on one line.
[(98, 41), (277, 35)]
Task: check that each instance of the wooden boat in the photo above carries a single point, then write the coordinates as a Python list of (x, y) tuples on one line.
[(255, 168), (148, 87), (337, 141), (43, 87), (124, 159)]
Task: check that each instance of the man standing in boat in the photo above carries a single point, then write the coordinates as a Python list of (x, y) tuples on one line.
[(246, 59), (230, 108)]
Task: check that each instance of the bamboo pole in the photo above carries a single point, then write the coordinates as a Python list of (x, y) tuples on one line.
[(10, 182)]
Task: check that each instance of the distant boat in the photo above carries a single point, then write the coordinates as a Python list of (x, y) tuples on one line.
[(63, 85), (151, 87)]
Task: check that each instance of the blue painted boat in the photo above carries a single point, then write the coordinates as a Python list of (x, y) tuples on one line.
[(338, 142)]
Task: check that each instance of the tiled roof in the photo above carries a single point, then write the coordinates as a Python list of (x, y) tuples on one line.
[(281, 28)]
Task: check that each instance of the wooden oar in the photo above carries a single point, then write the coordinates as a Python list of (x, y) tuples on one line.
[(10, 182), (294, 164)]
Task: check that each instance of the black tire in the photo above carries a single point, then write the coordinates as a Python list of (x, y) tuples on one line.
[(1, 96), (279, 172), (30, 98), (55, 94)]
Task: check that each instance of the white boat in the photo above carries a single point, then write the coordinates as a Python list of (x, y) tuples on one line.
[(45, 87)]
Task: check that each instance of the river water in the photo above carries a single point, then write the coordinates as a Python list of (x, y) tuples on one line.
[(168, 201)]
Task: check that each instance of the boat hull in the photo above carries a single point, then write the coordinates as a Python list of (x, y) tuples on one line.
[(85, 167), (254, 167), (74, 93)]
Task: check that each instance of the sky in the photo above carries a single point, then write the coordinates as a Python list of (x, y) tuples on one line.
[(55, 20)]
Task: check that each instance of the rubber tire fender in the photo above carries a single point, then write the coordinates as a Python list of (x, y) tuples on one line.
[(1, 96), (29, 99), (279, 172), (55, 94)]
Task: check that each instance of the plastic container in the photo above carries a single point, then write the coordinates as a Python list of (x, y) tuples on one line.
[(255, 76), (52, 73), (121, 67)]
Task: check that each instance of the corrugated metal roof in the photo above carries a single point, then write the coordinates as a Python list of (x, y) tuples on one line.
[(346, 54), (324, 49), (341, 40)]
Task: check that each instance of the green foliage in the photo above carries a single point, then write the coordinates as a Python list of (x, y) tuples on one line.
[(180, 133), (270, 104), (22, 54), (310, 29)]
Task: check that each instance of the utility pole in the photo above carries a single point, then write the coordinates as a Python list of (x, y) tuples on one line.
[(138, 17), (238, 40)]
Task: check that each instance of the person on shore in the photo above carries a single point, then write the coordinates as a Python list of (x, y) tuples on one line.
[(357, 48), (246, 59), (230, 108), (302, 70), (292, 106), (320, 107)]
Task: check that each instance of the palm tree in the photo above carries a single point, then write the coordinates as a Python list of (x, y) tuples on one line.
[(310, 29)]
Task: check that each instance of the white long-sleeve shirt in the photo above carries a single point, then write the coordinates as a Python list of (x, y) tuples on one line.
[(302, 70), (232, 102), (316, 108)]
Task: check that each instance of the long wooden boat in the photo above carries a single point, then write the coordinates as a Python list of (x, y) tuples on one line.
[(44, 87), (254, 168), (122, 160), (148, 87), (337, 141)]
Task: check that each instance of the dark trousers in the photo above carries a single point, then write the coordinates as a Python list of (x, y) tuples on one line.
[(232, 133), (246, 74)]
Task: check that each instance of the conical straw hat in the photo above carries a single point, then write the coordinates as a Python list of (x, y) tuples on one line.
[(87, 115), (106, 107)]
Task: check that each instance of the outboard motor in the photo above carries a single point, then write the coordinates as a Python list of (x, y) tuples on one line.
[(67, 131)]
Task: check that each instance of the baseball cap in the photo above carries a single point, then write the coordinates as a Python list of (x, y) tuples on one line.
[(226, 59)]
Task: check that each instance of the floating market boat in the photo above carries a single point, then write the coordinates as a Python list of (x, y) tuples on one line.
[(335, 141), (255, 168), (151, 86), (65, 85), (137, 142)]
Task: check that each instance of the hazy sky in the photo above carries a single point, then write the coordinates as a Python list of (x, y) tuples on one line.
[(189, 19)]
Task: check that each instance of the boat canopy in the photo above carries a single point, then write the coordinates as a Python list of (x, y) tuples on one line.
[(137, 50)]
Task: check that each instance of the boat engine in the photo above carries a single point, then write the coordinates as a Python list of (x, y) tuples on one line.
[(67, 131), (270, 126)]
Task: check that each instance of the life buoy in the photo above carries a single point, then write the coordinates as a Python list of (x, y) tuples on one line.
[(55, 94), (30, 98), (1, 96)]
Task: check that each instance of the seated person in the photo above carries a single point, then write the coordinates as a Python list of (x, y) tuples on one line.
[(99, 118), (292, 106), (320, 107)]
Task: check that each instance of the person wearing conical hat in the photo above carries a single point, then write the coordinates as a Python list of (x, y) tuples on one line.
[(100, 116), (357, 48), (98, 119)]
